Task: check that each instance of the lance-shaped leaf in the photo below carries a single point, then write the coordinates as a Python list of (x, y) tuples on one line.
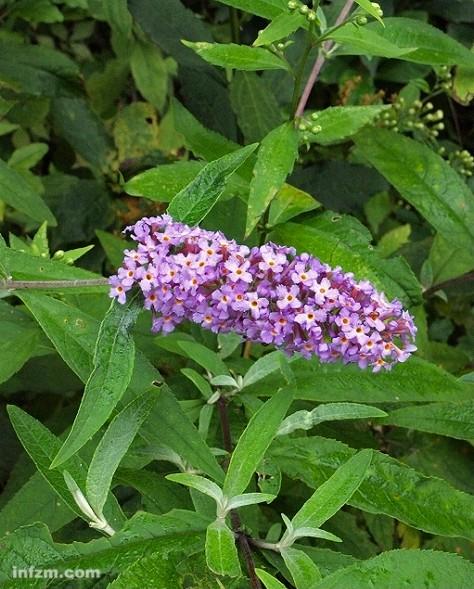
[(275, 160), (42, 446), (199, 483), (170, 426), (194, 202), (269, 580), (431, 45), (390, 487), (113, 447), (304, 571), (330, 412), (254, 442), (425, 180), (404, 568), (281, 27), (113, 361), (368, 6), (17, 193), (221, 552), (265, 8), (240, 57), (455, 420), (334, 493)]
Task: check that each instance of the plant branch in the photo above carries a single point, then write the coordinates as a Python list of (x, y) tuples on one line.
[(320, 60), (234, 25), (9, 284), (447, 283), (234, 516)]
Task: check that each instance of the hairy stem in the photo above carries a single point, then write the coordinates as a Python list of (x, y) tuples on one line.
[(320, 60), (50, 284), (234, 516)]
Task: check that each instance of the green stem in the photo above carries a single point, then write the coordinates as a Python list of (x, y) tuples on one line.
[(50, 284)]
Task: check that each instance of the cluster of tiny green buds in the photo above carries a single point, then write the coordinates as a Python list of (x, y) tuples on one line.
[(361, 19), (308, 126), (460, 159), (417, 118), (378, 9), (445, 78), (304, 9)]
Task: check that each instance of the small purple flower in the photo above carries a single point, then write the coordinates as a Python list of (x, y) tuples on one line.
[(267, 294)]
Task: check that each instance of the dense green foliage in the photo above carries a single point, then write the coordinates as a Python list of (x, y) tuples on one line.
[(194, 460)]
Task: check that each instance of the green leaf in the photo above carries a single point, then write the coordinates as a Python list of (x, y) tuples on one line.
[(199, 483), (290, 202), (17, 193), (281, 27), (304, 571), (393, 240), (334, 493), (266, 8), (19, 340), (403, 568), (338, 123), (162, 183), (35, 496), (445, 261), (117, 15), (113, 361), (431, 46), (357, 40), (27, 156), (425, 180), (37, 11), (170, 426), (455, 420), (145, 534), (415, 381), (113, 246), (206, 143), (150, 73), (249, 499), (330, 412), (204, 357), (167, 26), (82, 129), (240, 57), (42, 446), (268, 580), (74, 334), (113, 447), (275, 160), (367, 6), (255, 105), (340, 240), (37, 70), (221, 551), (262, 367), (254, 442), (390, 487), (194, 202)]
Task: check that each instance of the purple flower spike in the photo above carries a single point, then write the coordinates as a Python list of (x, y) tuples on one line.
[(267, 294)]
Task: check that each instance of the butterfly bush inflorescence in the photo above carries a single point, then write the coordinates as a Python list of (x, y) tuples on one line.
[(267, 294)]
